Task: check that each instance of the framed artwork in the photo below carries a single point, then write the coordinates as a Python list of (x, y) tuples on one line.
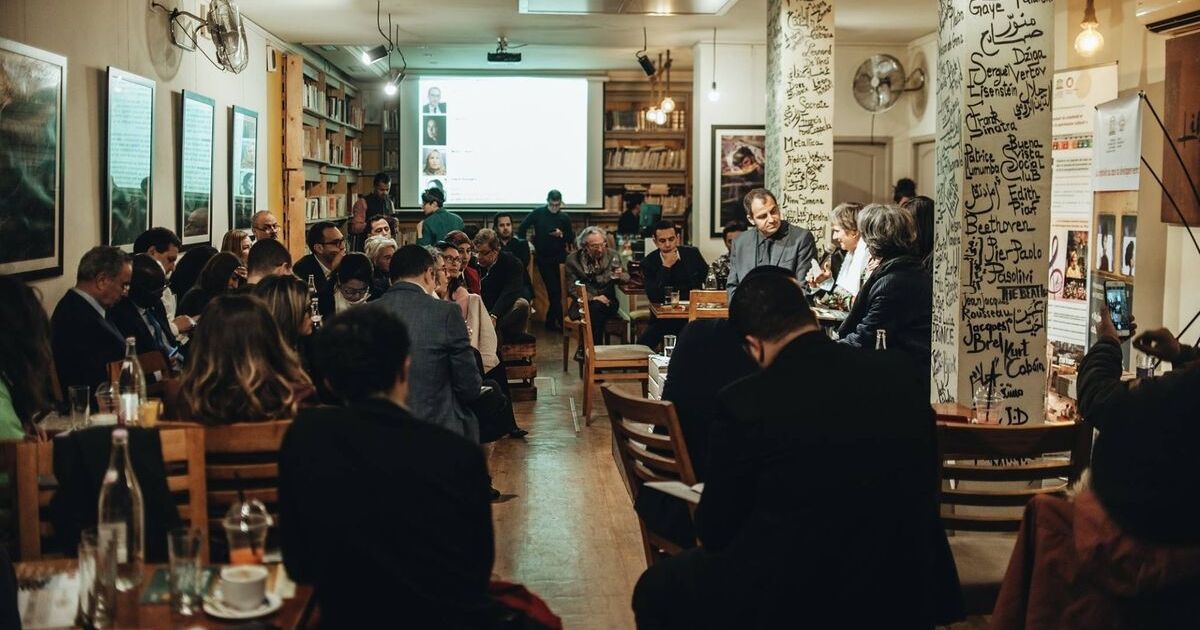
[(739, 166), (243, 163), (195, 189), (129, 156), (33, 85)]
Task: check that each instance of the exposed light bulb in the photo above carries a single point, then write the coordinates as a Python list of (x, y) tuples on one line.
[(1089, 40), (389, 88), (652, 114), (660, 117), (713, 94), (668, 105)]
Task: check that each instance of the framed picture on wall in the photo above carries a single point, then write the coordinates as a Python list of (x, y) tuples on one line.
[(195, 181), (739, 166), (33, 102), (243, 163), (129, 157)]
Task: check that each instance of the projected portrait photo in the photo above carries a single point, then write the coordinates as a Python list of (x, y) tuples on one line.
[(433, 102), (433, 162), (1106, 228), (739, 167), (1128, 244), (1075, 287), (434, 183), (433, 130)]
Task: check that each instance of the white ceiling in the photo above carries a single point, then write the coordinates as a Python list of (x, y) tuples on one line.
[(456, 34)]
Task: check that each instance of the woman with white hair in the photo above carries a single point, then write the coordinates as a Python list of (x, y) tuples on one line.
[(596, 266), (380, 250)]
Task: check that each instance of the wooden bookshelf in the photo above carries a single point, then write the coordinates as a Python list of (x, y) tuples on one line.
[(641, 156)]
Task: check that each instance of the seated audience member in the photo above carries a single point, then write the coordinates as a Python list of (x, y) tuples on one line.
[(264, 226), (509, 242), (673, 265), (83, 339), (379, 250), (25, 390), (218, 276), (141, 314), (267, 258), (904, 190), (438, 222), (729, 234), (502, 287), (1124, 551), (778, 549), (381, 225), (326, 246), (187, 272), (629, 222), (350, 285), (598, 268), (470, 269), (290, 302), (240, 368), (773, 241), (163, 246), (428, 556), (238, 243), (448, 381), (898, 295), (456, 287), (844, 286), (922, 212)]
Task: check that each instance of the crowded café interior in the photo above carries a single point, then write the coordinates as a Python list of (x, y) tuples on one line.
[(656, 314)]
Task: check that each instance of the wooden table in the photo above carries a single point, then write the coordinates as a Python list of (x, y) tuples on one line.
[(131, 613), (680, 311)]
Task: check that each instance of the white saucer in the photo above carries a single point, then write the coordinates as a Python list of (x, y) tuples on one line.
[(220, 611)]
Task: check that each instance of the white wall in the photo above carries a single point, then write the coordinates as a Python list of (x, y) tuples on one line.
[(128, 35)]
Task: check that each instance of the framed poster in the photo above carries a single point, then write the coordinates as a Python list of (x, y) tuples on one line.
[(195, 191), (129, 157), (739, 166), (32, 110), (243, 163)]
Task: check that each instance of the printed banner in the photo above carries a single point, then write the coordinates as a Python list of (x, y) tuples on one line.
[(1118, 144)]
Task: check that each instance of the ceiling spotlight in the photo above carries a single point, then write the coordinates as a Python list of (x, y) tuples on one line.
[(642, 59), (393, 84), (372, 55)]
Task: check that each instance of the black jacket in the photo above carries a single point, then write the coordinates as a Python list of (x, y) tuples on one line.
[(897, 298), (308, 265), (502, 284), (685, 275), (812, 501), (388, 516), (84, 343), (520, 249), (549, 248), (129, 321), (1144, 460)]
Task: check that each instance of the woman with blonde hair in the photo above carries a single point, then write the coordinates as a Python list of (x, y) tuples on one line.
[(239, 367), (380, 250), (237, 243)]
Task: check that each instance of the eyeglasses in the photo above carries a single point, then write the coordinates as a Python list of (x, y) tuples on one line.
[(340, 242), (270, 227), (352, 292)]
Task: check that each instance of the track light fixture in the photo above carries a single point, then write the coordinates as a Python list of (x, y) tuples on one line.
[(642, 59), (372, 55)]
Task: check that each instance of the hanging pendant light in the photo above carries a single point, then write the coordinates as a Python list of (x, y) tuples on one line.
[(1089, 40), (713, 94)]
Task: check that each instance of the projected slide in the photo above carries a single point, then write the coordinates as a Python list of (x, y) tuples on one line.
[(503, 140)]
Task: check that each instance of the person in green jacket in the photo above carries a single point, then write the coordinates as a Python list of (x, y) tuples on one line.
[(25, 358), (438, 222)]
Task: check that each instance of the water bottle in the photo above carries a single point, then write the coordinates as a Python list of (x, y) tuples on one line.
[(130, 386), (710, 281), (314, 304), (121, 513), (881, 339)]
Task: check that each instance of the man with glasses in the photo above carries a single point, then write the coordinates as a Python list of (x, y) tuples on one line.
[(83, 339), (502, 287), (552, 236), (598, 268), (264, 225), (328, 246)]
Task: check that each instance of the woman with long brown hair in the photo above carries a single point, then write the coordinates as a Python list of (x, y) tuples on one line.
[(240, 367), (218, 276), (25, 358)]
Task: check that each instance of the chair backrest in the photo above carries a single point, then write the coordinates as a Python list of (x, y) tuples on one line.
[(699, 298), (995, 466), (154, 366), (30, 466), (248, 451), (585, 311), (563, 295), (644, 454)]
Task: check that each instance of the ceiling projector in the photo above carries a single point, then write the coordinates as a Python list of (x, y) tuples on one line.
[(501, 56)]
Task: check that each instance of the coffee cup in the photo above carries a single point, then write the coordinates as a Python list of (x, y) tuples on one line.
[(244, 586)]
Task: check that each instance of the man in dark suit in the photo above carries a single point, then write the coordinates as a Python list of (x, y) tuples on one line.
[(328, 246), (83, 339), (503, 224), (141, 314), (501, 288), (811, 506), (447, 380), (773, 241), (418, 549), (675, 266), (434, 105)]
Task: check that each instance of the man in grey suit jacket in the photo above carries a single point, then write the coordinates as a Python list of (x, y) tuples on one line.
[(445, 379), (773, 241)]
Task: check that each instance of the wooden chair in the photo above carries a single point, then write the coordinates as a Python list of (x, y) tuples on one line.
[(623, 362), (154, 366), (570, 326), (648, 456), (987, 468), (248, 451), (30, 467), (700, 297)]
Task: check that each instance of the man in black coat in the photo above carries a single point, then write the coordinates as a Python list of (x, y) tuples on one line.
[(503, 224), (388, 516), (83, 339), (141, 314), (810, 504), (327, 247), (678, 267), (502, 288)]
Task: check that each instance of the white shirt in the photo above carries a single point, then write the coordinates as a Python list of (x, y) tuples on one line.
[(850, 276)]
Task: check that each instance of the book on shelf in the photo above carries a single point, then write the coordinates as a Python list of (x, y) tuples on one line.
[(315, 147), (324, 207), (391, 120), (635, 120), (314, 98), (347, 153), (647, 158)]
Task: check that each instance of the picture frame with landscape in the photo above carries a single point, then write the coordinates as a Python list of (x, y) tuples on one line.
[(128, 157), (195, 182), (243, 166), (33, 86)]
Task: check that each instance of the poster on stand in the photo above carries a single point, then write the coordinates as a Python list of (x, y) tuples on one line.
[(1118, 144)]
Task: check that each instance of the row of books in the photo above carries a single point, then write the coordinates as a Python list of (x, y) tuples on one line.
[(391, 120), (651, 158), (325, 207), (322, 147), (339, 108), (671, 204), (635, 120)]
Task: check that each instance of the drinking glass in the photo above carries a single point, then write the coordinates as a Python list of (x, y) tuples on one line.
[(97, 579), (106, 405), (667, 291), (988, 406), (80, 397), (674, 297), (246, 526), (148, 412), (668, 345), (186, 573)]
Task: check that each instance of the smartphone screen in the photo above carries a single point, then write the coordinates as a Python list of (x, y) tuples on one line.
[(1117, 297)]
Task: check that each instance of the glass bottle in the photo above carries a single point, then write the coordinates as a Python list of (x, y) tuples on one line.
[(121, 513), (314, 303), (881, 339), (710, 281), (130, 386)]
